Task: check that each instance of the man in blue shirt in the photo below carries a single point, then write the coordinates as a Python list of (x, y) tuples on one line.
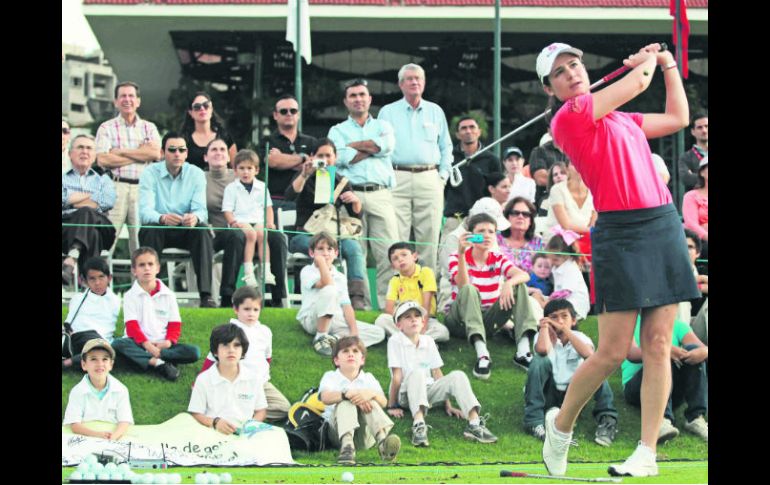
[(173, 193), (422, 160), (364, 145), (86, 197)]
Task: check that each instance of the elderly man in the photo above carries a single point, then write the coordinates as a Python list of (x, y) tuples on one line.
[(422, 160), (173, 194), (124, 145), (85, 199), (364, 145)]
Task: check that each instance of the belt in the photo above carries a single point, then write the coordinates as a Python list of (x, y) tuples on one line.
[(117, 178), (415, 168), (368, 187)]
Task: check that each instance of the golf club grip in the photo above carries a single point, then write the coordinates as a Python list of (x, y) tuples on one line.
[(506, 473), (617, 72)]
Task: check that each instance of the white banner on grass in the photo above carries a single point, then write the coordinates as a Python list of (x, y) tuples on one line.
[(185, 443)]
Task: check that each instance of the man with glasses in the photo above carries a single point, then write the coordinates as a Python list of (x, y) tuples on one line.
[(124, 145), (173, 194), (85, 199), (65, 140), (422, 160), (364, 145)]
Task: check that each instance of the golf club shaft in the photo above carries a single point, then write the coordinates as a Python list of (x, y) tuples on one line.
[(609, 77), (506, 473)]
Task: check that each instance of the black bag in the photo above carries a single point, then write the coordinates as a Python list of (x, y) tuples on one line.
[(305, 427)]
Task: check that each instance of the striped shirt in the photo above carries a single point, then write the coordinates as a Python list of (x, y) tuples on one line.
[(485, 277), (115, 133), (101, 188)]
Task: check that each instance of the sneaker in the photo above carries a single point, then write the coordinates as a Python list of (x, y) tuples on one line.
[(250, 280), (323, 344), (420, 434), (699, 427), (389, 447), (347, 455), (537, 431), (522, 361), (555, 445), (482, 370), (480, 432), (67, 274), (606, 431), (641, 463), (667, 431), (207, 302), (269, 276), (168, 371)]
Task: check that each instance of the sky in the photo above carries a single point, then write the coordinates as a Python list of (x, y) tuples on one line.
[(74, 27)]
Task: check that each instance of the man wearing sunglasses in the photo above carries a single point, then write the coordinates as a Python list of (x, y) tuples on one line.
[(364, 145), (422, 160), (173, 194), (124, 145)]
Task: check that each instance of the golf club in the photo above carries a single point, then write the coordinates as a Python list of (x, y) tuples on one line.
[(506, 473), (456, 178)]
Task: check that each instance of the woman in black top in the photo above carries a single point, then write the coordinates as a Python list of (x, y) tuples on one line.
[(201, 126)]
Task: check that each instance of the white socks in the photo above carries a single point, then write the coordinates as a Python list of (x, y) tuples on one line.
[(481, 349), (475, 421), (248, 268), (522, 346), (159, 362)]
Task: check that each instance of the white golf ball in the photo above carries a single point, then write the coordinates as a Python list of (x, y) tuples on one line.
[(110, 467), (225, 478), (89, 476), (160, 479), (124, 468), (201, 478), (347, 477), (213, 479), (174, 478), (148, 478), (90, 459), (103, 476), (135, 477), (117, 475), (76, 475), (97, 468), (84, 467)]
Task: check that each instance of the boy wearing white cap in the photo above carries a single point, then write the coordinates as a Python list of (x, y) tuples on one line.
[(99, 396), (417, 381)]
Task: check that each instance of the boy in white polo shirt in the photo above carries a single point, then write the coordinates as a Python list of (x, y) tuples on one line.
[(243, 205), (417, 381), (354, 401), (559, 350), (99, 396), (225, 396), (153, 324), (326, 310), (92, 314), (247, 303)]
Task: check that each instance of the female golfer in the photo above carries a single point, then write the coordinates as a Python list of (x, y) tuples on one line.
[(639, 251)]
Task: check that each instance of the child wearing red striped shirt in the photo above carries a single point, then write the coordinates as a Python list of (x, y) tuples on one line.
[(481, 301)]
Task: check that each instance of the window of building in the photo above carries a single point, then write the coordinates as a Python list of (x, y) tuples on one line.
[(78, 108), (77, 81)]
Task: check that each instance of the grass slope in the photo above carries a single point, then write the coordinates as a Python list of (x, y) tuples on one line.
[(296, 367)]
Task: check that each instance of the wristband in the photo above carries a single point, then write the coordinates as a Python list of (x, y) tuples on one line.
[(214, 423), (668, 66)]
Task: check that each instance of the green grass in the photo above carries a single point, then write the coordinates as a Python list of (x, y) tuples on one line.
[(296, 367)]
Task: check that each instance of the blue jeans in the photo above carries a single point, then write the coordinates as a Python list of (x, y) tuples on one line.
[(350, 250)]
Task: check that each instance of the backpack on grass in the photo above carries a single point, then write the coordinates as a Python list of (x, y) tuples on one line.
[(305, 426)]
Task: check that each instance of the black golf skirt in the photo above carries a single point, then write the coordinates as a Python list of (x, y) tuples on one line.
[(640, 260)]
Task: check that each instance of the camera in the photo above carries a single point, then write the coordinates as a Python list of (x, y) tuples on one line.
[(476, 238), (319, 164)]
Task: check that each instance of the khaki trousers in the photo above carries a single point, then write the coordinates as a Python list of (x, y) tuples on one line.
[(436, 329), (380, 232), (418, 200), (328, 304), (277, 404), (126, 209), (348, 418), (419, 394)]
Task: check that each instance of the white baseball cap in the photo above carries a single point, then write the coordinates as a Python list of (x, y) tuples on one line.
[(490, 206), (406, 306), (549, 54)]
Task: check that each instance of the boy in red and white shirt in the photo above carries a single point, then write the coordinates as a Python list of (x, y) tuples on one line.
[(153, 324), (480, 301)]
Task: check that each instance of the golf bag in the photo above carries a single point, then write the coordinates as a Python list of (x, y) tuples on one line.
[(305, 426)]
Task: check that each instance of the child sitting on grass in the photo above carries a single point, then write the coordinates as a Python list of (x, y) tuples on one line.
[(99, 396), (417, 381), (224, 396), (354, 405)]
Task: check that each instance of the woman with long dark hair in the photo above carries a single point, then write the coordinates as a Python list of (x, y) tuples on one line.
[(640, 261), (201, 126)]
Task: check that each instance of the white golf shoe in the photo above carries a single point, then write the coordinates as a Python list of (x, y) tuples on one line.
[(555, 445), (641, 463)]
